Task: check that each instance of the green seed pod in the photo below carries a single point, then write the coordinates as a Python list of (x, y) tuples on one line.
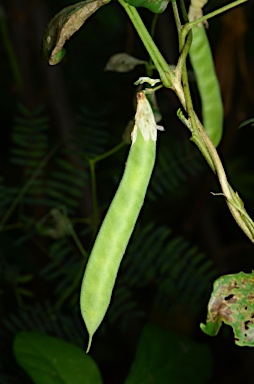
[(208, 86), (117, 227)]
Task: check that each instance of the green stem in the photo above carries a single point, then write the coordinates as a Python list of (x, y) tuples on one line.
[(182, 68), (177, 18), (109, 153), (75, 237), (203, 142), (191, 24), (166, 74)]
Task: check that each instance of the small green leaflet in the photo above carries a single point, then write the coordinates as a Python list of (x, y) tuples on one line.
[(63, 25), (232, 302), (246, 122)]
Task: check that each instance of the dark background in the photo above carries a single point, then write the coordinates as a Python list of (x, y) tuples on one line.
[(78, 92)]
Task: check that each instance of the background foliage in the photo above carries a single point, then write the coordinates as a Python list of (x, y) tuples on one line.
[(53, 120)]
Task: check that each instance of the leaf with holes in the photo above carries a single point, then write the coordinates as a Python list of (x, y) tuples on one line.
[(232, 302)]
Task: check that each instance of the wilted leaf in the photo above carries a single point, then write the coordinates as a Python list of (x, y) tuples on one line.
[(63, 25), (232, 302), (122, 62)]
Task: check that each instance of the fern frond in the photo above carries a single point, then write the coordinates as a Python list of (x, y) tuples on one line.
[(41, 318), (5, 197), (66, 183), (175, 270), (29, 137), (92, 131), (176, 162)]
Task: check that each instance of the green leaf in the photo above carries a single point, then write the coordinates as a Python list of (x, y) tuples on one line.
[(53, 361), (25, 292), (246, 122), (232, 302), (156, 6), (166, 357), (23, 279), (63, 25)]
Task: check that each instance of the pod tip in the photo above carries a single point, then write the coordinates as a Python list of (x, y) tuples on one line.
[(89, 343)]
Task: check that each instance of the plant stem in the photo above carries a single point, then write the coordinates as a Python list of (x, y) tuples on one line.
[(75, 237), (178, 81), (166, 74), (109, 153), (201, 139), (191, 24)]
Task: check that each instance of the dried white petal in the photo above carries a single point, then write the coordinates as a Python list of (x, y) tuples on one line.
[(144, 120)]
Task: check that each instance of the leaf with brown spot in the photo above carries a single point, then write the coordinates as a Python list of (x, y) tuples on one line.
[(63, 25), (232, 302)]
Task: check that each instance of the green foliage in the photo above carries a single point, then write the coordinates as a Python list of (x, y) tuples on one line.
[(50, 360), (177, 271), (161, 356), (176, 163), (29, 137), (155, 257), (155, 6), (166, 357), (93, 144), (50, 213), (41, 317)]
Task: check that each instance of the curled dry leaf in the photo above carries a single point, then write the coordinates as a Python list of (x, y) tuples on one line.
[(63, 25), (122, 62)]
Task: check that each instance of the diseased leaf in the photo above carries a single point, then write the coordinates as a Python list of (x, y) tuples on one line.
[(122, 62), (232, 302), (63, 25)]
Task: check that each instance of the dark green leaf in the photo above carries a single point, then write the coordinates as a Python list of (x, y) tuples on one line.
[(166, 357), (53, 361)]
